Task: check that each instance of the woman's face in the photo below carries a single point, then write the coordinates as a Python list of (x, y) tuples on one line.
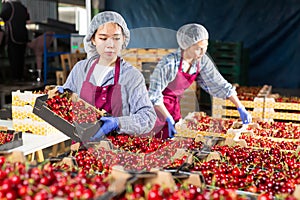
[(196, 51), (108, 40)]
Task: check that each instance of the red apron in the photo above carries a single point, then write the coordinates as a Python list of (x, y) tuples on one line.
[(172, 95), (106, 97)]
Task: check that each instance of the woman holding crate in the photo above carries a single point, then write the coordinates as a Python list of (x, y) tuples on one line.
[(108, 82), (176, 72)]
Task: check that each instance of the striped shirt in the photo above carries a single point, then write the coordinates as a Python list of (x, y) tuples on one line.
[(208, 79), (138, 112)]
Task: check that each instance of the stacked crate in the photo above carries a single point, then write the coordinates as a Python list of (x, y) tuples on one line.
[(282, 108), (255, 104), (145, 59), (224, 108), (228, 59), (266, 106), (130, 55), (138, 56), (24, 119)]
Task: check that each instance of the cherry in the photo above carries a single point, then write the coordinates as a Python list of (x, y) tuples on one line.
[(265, 196), (154, 194), (138, 190), (2, 161), (11, 195)]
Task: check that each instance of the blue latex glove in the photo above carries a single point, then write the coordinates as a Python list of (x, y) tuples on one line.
[(171, 126), (60, 89), (245, 115), (109, 124)]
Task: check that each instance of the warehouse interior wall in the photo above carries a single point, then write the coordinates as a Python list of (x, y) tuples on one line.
[(269, 29)]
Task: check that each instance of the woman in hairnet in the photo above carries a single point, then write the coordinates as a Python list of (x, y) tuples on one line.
[(177, 71), (108, 82)]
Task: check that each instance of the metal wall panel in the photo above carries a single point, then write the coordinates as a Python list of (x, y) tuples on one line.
[(40, 10)]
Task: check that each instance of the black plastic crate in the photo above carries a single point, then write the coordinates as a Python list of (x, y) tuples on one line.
[(226, 53), (15, 142), (229, 70), (215, 45), (77, 132)]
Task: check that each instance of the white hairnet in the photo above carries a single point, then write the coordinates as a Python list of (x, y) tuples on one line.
[(190, 34), (98, 20)]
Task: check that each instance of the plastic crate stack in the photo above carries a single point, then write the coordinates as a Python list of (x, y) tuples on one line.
[(231, 60), (228, 59)]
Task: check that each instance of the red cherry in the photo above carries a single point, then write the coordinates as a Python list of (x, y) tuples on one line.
[(2, 161), (3, 174), (265, 196), (11, 195), (87, 194), (45, 181), (6, 185), (138, 190), (22, 191), (154, 195), (15, 180)]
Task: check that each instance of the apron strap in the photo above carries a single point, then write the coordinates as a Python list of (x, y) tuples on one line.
[(117, 70), (88, 76)]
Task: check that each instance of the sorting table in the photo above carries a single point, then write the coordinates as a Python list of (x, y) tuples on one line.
[(35, 144)]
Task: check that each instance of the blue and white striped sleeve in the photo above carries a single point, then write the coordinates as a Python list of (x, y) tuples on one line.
[(138, 112), (76, 77), (163, 74)]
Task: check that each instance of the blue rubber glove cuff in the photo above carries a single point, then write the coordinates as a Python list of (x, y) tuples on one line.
[(109, 124), (245, 115), (171, 126)]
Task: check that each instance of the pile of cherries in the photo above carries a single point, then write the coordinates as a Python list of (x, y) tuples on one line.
[(5, 137), (72, 111), (259, 171), (264, 142), (88, 163), (180, 191), (209, 124), (141, 153), (277, 129), (287, 99), (143, 144), (247, 93), (19, 181)]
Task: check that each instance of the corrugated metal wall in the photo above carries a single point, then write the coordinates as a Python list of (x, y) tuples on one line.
[(40, 10)]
